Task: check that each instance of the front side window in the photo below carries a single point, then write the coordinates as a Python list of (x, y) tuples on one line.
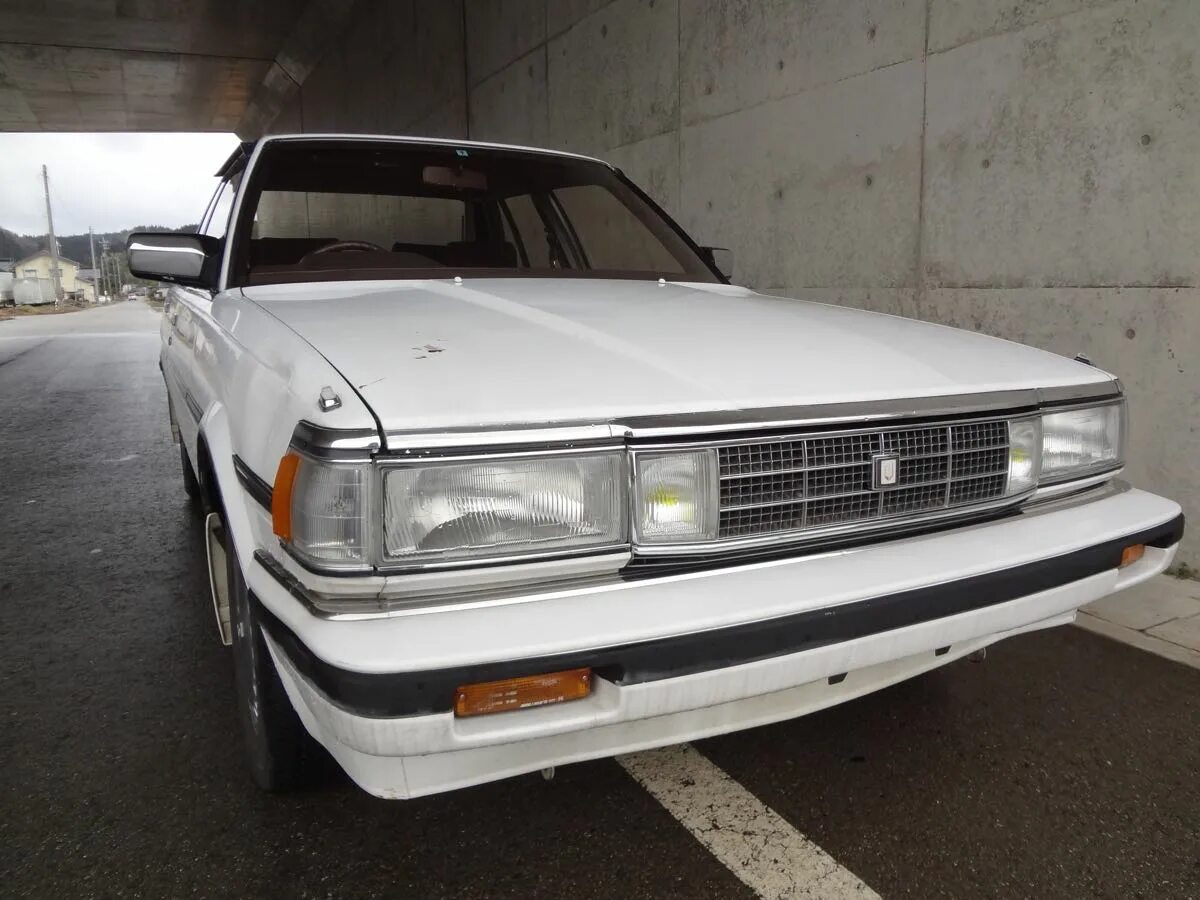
[(323, 210)]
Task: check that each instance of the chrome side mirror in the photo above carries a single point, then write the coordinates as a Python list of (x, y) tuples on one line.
[(720, 259), (188, 259)]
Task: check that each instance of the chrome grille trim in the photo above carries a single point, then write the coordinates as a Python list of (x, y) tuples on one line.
[(942, 477), (789, 485)]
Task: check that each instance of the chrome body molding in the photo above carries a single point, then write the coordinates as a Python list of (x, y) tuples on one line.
[(349, 608), (344, 444), (193, 407), (682, 425), (866, 412), (525, 438), (1048, 492), (385, 605)]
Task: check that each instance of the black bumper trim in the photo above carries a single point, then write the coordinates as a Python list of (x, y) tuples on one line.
[(432, 691)]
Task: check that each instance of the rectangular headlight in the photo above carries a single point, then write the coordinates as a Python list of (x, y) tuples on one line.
[(676, 498), (1080, 442), (505, 506)]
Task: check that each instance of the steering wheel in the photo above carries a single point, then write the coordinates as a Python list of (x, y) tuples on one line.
[(339, 246)]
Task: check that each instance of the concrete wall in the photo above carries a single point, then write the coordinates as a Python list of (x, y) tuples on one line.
[(397, 69), (1025, 168)]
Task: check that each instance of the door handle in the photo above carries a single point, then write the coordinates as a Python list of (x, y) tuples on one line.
[(170, 337)]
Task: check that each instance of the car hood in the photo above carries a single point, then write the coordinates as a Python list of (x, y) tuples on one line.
[(434, 354)]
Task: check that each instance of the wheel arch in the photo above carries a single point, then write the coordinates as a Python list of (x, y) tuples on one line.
[(214, 451), (206, 474)]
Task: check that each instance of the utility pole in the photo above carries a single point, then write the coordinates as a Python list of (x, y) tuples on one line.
[(54, 273), (102, 275), (95, 274)]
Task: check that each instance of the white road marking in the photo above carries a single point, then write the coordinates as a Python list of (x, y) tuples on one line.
[(128, 457), (747, 836), (83, 335)]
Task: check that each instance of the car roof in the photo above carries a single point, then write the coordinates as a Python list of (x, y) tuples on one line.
[(431, 141), (246, 148)]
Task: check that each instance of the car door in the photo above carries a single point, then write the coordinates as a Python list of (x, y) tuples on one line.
[(190, 317), (173, 362)]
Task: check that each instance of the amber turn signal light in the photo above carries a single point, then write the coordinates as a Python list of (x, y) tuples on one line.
[(281, 495), (522, 693), (1132, 554)]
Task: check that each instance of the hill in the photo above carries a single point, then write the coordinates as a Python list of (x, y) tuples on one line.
[(72, 246)]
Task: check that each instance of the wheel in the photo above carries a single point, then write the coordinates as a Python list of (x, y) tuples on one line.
[(191, 484), (281, 753)]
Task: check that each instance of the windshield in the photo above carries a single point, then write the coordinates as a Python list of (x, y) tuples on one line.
[(329, 210)]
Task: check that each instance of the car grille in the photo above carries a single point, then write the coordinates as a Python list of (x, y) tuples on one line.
[(820, 481)]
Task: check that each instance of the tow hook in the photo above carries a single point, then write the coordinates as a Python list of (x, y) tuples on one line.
[(548, 773), (218, 575)]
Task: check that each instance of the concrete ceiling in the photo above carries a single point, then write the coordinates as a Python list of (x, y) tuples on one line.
[(155, 65)]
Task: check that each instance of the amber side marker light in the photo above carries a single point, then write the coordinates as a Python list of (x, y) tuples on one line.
[(522, 693), (1132, 554), (281, 496)]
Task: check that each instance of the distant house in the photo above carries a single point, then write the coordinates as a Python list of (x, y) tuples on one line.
[(86, 279), (33, 284)]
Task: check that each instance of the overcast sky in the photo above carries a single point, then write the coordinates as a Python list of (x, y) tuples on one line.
[(108, 181)]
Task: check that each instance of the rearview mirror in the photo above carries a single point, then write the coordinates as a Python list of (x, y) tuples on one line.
[(188, 259), (460, 178), (720, 259)]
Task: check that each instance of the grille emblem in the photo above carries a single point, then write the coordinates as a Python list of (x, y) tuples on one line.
[(885, 470)]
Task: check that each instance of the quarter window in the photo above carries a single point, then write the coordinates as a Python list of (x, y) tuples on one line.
[(217, 222), (610, 234), (531, 234)]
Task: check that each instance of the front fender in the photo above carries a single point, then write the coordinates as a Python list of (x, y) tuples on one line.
[(248, 525), (215, 432)]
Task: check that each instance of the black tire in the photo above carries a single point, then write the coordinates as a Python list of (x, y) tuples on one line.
[(191, 484), (281, 753)]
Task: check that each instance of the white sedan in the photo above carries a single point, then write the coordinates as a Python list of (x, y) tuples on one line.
[(501, 472)]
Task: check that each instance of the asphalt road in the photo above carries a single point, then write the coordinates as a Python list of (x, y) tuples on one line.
[(1064, 765)]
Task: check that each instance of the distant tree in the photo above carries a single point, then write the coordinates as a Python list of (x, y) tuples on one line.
[(15, 246), (76, 247)]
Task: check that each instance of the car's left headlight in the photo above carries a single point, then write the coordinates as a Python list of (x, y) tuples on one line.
[(1081, 442), (504, 507)]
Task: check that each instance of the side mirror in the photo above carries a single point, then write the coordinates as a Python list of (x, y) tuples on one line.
[(189, 259), (720, 259)]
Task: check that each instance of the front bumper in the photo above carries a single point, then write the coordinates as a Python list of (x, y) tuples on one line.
[(688, 656)]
